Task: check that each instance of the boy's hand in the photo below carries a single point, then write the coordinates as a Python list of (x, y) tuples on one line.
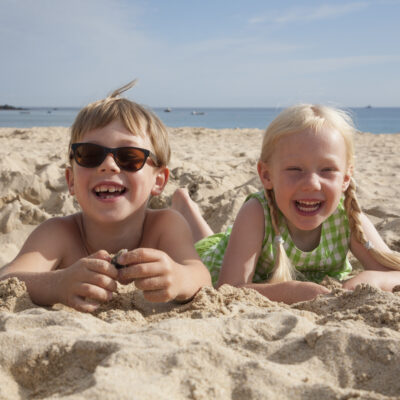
[(88, 282), (154, 272)]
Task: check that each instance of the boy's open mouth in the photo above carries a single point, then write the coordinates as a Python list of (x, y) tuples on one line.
[(308, 206), (109, 191)]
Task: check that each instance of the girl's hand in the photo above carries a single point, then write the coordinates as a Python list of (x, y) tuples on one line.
[(154, 272), (302, 291), (384, 280), (289, 292), (88, 282)]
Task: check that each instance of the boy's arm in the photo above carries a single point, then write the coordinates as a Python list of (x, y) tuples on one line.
[(36, 264), (172, 270), (42, 250), (375, 273), (242, 254)]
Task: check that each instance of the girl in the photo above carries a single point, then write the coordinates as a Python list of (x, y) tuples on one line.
[(286, 238)]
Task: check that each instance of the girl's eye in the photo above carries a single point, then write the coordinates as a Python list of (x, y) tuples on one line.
[(293, 169), (328, 169)]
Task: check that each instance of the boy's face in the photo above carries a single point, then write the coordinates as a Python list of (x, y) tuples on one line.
[(107, 192)]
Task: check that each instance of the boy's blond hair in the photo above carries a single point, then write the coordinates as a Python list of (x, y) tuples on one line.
[(136, 118), (296, 119)]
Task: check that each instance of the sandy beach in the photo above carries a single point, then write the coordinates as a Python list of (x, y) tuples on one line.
[(225, 344)]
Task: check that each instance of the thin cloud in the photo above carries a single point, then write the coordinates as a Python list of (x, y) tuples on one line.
[(325, 65), (311, 14)]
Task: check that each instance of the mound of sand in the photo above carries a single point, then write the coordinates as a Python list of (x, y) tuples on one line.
[(225, 344)]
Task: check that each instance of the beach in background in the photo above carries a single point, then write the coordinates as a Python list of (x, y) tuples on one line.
[(225, 344)]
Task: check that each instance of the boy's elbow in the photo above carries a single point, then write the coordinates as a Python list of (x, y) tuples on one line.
[(5, 273)]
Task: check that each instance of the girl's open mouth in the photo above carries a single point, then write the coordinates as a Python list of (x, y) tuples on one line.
[(308, 207)]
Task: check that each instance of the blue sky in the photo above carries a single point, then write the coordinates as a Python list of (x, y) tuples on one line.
[(200, 53)]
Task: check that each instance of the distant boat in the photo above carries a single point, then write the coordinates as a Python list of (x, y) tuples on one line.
[(168, 109), (368, 106), (198, 113)]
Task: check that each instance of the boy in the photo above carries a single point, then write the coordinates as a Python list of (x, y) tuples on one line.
[(119, 153)]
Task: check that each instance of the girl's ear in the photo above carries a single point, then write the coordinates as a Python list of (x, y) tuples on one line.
[(161, 180), (264, 174), (69, 176), (347, 178)]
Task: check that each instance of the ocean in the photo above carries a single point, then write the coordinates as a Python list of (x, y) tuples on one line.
[(368, 119)]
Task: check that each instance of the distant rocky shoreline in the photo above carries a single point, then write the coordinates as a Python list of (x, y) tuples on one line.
[(8, 107)]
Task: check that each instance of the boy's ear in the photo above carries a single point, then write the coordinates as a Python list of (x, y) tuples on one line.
[(69, 177), (347, 178), (264, 174), (161, 180)]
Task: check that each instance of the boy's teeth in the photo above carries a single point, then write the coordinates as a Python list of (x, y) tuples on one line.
[(110, 189)]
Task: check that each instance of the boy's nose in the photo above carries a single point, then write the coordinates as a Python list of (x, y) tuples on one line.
[(109, 164)]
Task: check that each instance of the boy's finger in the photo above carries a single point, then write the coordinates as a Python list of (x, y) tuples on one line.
[(84, 305), (141, 255), (140, 271), (103, 281), (102, 267), (101, 255), (94, 293), (157, 296), (153, 283)]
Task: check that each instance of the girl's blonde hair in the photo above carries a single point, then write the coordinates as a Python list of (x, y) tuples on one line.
[(135, 117), (296, 119)]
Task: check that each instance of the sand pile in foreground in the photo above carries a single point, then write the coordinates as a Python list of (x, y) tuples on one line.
[(230, 343)]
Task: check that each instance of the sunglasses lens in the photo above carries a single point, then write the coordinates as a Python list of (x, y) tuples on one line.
[(130, 159), (89, 155)]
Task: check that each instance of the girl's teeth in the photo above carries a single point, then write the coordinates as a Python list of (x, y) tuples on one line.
[(308, 206)]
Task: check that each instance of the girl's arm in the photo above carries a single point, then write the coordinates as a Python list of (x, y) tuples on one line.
[(375, 273), (241, 257), (170, 268), (244, 245)]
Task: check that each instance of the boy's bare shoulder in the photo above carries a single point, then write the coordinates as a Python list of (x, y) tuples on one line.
[(163, 222), (163, 216), (59, 231), (65, 224), (164, 227)]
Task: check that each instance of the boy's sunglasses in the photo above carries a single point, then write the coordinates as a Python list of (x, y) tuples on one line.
[(91, 155)]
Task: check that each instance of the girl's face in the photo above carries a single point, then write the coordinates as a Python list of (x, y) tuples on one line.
[(108, 193), (308, 173)]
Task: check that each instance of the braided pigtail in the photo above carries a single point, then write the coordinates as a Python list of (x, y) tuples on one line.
[(283, 270), (353, 209)]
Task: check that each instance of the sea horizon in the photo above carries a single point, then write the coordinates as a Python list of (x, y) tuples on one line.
[(367, 119)]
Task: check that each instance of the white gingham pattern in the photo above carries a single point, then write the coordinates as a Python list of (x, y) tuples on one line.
[(329, 258)]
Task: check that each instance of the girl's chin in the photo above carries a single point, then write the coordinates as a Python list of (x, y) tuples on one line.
[(306, 225)]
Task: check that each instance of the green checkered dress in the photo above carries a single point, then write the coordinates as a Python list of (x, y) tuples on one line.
[(329, 258)]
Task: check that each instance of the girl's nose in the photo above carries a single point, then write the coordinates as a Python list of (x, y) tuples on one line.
[(311, 182), (109, 164)]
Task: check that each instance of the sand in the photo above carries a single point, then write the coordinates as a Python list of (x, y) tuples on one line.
[(225, 344)]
